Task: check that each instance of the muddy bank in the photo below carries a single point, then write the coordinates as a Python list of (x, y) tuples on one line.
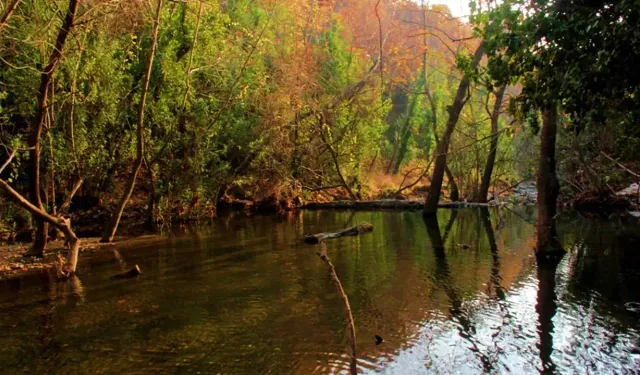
[(13, 264)]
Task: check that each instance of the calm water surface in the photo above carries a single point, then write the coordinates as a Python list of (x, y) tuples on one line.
[(457, 295)]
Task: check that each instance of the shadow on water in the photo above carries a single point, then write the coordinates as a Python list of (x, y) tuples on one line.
[(458, 293), (546, 308)]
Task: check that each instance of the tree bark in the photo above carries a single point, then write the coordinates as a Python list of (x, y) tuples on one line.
[(455, 193), (111, 229), (46, 76), (491, 158), (8, 13), (442, 147), (548, 186)]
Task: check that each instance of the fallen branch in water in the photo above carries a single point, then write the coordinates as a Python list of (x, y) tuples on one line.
[(351, 231), (387, 204), (353, 367), (131, 274)]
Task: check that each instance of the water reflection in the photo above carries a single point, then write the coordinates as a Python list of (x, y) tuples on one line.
[(457, 293)]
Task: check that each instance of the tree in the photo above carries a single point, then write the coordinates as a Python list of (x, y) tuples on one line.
[(442, 147), (37, 125), (110, 230), (35, 207), (572, 56), (493, 147)]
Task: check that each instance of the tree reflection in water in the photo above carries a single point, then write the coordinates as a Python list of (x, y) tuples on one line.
[(443, 280), (246, 295)]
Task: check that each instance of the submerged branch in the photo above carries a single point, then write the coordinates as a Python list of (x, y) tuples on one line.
[(351, 231), (353, 367)]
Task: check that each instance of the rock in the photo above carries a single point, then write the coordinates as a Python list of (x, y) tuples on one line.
[(379, 340), (631, 190), (525, 193)]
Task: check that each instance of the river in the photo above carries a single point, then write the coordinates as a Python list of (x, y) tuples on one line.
[(460, 295)]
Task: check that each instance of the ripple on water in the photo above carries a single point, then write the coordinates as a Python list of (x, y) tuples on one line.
[(247, 296)]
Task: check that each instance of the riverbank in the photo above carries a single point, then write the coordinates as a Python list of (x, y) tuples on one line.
[(13, 264), (88, 224)]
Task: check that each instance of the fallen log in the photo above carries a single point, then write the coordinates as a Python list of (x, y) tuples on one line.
[(351, 231), (131, 274), (387, 204)]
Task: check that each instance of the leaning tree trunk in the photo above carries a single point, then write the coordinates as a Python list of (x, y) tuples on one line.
[(64, 225), (491, 159), (548, 186), (442, 147), (46, 76), (111, 229), (60, 223)]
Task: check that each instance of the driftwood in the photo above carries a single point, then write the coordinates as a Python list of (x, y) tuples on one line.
[(353, 368), (388, 204), (133, 273), (351, 231)]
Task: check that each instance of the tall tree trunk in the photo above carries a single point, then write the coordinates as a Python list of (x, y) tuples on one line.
[(548, 186), (491, 159), (46, 76), (52, 185), (111, 229), (151, 205), (431, 204), (8, 13), (454, 195)]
